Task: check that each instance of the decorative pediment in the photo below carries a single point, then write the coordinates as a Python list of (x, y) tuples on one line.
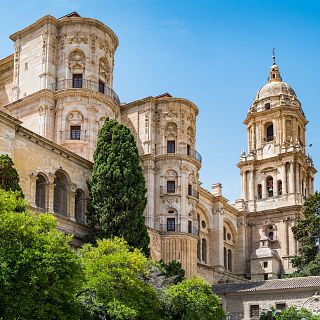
[(77, 60), (75, 118)]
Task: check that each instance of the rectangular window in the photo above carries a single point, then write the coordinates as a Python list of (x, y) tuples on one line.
[(77, 80), (265, 264), (254, 310), (75, 132), (171, 224), (171, 146), (189, 190), (266, 276), (171, 186), (188, 150), (189, 226), (101, 86), (280, 306)]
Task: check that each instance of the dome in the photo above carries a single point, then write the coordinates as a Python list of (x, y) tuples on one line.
[(274, 89)]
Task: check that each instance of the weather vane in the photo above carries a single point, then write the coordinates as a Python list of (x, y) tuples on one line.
[(274, 55)]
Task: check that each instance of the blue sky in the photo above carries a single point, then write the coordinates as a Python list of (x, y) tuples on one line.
[(214, 53)]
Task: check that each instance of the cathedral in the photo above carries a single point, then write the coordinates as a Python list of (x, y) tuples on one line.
[(55, 93)]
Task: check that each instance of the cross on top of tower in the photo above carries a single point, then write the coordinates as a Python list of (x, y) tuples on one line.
[(274, 55)]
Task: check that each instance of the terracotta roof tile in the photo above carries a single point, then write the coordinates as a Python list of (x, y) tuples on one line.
[(277, 284)]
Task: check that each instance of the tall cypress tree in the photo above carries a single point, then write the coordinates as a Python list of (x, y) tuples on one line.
[(9, 178), (117, 188), (307, 232)]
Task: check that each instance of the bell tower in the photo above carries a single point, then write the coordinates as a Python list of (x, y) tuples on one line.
[(276, 175)]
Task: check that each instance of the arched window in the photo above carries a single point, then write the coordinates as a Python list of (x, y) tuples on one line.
[(204, 250), (270, 235), (269, 132), (198, 250), (270, 186), (60, 198), (41, 192), (229, 260), (279, 187), (259, 191), (79, 207)]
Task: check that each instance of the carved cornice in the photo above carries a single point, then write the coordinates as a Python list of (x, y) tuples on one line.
[(155, 100), (59, 23)]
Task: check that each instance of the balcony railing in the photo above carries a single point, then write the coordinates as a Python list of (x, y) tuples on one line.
[(193, 193), (181, 151), (85, 84), (194, 230), (268, 139), (75, 135)]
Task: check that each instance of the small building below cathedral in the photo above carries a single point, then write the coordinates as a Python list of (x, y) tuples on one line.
[(56, 90)]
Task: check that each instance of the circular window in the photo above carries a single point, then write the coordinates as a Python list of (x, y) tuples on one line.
[(203, 224), (229, 236)]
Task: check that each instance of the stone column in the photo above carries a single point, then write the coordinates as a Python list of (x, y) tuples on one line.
[(72, 201), (298, 184), (251, 185), (244, 185), (291, 178), (284, 129), (284, 179), (33, 186), (149, 173), (50, 193), (264, 188)]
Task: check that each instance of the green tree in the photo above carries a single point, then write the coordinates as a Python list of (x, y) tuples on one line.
[(114, 287), (172, 269), (9, 178), (192, 299), (306, 232), (39, 272), (117, 188)]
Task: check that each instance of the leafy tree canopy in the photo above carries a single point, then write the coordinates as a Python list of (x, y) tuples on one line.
[(306, 232), (192, 299), (114, 287), (9, 178), (172, 269), (39, 272), (117, 188)]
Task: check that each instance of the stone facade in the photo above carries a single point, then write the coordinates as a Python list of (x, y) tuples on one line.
[(246, 301), (56, 91)]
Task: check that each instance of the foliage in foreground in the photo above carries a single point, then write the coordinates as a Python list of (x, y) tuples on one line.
[(117, 188), (39, 272), (172, 270), (114, 287), (291, 313), (306, 232), (192, 299)]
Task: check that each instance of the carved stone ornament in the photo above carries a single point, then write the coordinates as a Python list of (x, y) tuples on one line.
[(171, 129), (169, 113), (77, 60), (77, 38), (75, 118), (101, 122), (104, 69)]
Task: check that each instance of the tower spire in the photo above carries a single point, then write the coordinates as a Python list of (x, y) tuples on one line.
[(274, 55), (274, 75)]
